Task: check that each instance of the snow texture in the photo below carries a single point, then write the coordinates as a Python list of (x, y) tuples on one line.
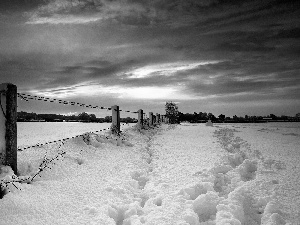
[(188, 174)]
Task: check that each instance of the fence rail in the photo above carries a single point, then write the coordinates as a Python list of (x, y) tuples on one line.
[(8, 121)]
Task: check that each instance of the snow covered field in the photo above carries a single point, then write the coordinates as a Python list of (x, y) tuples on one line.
[(188, 174), (31, 133)]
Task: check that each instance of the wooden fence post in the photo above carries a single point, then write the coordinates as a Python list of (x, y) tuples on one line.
[(8, 126), (150, 118), (140, 118), (115, 125)]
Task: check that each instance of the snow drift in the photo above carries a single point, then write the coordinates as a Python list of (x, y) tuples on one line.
[(197, 175)]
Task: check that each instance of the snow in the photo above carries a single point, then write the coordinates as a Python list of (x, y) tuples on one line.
[(209, 123), (188, 174), (31, 133)]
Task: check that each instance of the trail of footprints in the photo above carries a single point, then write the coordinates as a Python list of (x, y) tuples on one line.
[(129, 214), (220, 196)]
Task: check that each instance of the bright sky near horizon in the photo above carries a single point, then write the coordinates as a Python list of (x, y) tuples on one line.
[(232, 57)]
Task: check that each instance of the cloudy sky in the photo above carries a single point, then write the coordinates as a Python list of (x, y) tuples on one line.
[(221, 56)]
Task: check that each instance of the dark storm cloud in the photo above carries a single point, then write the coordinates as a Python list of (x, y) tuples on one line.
[(228, 78), (7, 6), (127, 12), (229, 85), (24, 70), (102, 71), (289, 33), (251, 75), (251, 47)]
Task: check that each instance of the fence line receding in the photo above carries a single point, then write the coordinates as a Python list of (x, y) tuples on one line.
[(8, 121)]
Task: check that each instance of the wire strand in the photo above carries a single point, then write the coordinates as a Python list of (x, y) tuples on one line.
[(60, 140), (28, 97)]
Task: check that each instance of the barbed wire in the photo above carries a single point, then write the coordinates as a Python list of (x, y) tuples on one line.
[(60, 140), (28, 97)]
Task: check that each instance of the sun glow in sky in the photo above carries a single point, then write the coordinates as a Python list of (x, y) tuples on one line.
[(120, 92), (147, 93), (159, 93), (166, 69)]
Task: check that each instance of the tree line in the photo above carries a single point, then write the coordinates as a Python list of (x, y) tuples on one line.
[(81, 117), (172, 113), (176, 116)]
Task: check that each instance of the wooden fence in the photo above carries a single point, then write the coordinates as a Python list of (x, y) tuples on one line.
[(8, 123)]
